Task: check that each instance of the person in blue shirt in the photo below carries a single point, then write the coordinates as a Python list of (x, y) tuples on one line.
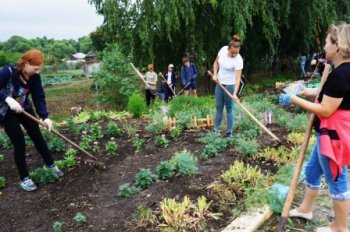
[(17, 82), (189, 75)]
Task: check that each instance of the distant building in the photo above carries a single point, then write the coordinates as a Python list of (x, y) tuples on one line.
[(91, 64)]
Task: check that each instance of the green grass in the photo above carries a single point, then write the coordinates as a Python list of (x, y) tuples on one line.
[(61, 98)]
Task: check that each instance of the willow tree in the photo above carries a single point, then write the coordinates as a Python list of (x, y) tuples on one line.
[(163, 31)]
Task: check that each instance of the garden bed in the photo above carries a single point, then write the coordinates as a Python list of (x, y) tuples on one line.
[(93, 191)]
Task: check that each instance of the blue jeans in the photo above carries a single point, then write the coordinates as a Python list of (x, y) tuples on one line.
[(317, 166), (222, 99)]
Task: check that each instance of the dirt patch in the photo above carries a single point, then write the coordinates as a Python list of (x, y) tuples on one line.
[(93, 192)]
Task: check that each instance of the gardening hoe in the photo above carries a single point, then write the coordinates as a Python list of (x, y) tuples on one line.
[(160, 74), (95, 161), (299, 165), (139, 74), (183, 89), (247, 111)]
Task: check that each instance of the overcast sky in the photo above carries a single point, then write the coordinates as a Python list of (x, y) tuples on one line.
[(57, 19)]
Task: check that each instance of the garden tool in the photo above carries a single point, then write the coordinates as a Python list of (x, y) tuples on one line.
[(95, 161), (139, 74), (299, 165), (161, 74), (183, 89), (247, 111)]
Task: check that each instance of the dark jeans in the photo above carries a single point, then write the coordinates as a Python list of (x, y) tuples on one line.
[(12, 125), (167, 92), (149, 97)]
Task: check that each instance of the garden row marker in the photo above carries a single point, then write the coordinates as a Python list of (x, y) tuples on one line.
[(139, 74), (65, 138), (161, 74), (247, 111), (299, 165)]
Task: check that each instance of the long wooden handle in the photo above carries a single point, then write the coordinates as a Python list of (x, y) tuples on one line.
[(139, 74), (293, 185), (160, 74), (247, 111), (183, 89), (59, 134)]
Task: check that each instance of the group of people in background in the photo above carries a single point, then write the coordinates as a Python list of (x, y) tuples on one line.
[(315, 61), (164, 85)]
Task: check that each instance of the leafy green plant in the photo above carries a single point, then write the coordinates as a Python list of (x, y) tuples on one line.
[(2, 157), (165, 170), (72, 127), (83, 127), (95, 147), (214, 145), (175, 133), (185, 163), (162, 141), (144, 178), (157, 126), (57, 226), (43, 176), (113, 129), (86, 142), (2, 182), (126, 191), (56, 144), (80, 219), (136, 105), (95, 131), (138, 143), (71, 152), (69, 161), (247, 147), (111, 148), (5, 141)]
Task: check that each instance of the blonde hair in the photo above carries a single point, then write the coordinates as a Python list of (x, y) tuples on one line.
[(235, 42), (344, 40)]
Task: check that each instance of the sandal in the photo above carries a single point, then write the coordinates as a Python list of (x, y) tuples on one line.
[(296, 213)]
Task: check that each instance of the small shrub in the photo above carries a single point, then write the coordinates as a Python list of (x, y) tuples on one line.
[(247, 147), (161, 141), (113, 130), (136, 105), (165, 170), (57, 226), (43, 176), (126, 191), (2, 182), (80, 219), (144, 178), (185, 163)]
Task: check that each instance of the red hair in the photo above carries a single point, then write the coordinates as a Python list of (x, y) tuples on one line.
[(33, 57)]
